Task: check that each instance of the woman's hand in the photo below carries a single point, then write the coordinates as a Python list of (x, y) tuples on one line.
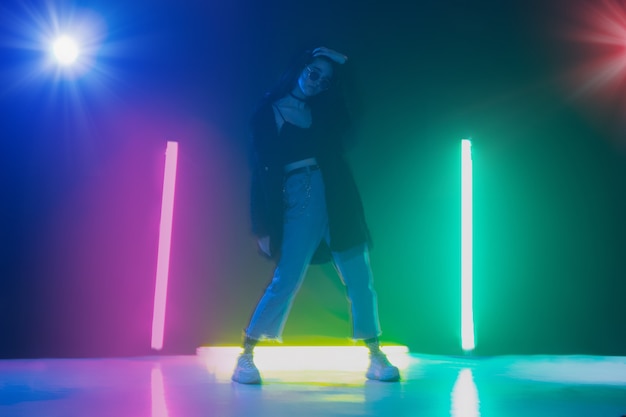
[(338, 57), (264, 245)]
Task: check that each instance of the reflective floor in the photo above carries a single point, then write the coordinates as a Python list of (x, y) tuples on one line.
[(187, 386)]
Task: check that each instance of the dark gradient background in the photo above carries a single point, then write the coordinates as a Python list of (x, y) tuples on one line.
[(81, 176)]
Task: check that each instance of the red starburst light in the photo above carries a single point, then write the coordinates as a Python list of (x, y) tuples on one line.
[(596, 37)]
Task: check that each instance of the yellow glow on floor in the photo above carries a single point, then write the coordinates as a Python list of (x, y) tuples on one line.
[(221, 360)]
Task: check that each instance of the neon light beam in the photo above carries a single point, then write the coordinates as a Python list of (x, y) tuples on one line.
[(467, 308), (165, 240)]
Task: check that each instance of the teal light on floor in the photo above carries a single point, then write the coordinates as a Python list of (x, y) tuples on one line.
[(467, 308)]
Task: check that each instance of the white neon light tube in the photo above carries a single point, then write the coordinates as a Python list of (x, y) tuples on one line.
[(165, 241), (467, 308)]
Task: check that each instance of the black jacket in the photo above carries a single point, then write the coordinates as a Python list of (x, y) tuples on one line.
[(345, 211)]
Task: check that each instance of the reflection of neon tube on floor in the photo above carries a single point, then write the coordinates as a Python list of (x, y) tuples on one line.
[(165, 239), (465, 402), (159, 406)]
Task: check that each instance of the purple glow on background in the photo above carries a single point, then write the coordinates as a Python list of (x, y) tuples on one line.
[(97, 249), (165, 241)]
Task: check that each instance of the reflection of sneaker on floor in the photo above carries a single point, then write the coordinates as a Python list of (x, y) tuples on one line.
[(246, 371), (381, 370)]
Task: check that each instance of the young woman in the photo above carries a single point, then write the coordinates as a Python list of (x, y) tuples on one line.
[(305, 206)]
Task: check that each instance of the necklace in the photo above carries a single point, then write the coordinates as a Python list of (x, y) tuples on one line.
[(297, 98)]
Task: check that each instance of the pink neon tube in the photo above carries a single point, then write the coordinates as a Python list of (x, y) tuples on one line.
[(165, 241)]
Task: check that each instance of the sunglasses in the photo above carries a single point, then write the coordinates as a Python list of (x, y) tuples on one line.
[(316, 76)]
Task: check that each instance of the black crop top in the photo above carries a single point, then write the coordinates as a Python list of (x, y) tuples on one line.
[(298, 143)]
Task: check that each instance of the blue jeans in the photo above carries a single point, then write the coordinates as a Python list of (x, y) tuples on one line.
[(305, 225)]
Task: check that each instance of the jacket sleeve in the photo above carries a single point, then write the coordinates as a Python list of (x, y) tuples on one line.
[(259, 207), (264, 185)]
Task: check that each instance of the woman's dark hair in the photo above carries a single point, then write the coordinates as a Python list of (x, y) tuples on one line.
[(289, 78), (329, 106)]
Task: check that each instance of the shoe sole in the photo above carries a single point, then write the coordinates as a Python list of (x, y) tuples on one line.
[(239, 380), (392, 378)]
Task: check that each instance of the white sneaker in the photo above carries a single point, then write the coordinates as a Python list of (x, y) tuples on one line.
[(381, 370), (246, 371)]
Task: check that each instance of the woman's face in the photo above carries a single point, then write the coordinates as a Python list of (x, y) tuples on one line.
[(315, 77)]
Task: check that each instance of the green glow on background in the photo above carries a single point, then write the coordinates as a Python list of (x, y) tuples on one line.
[(467, 313)]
